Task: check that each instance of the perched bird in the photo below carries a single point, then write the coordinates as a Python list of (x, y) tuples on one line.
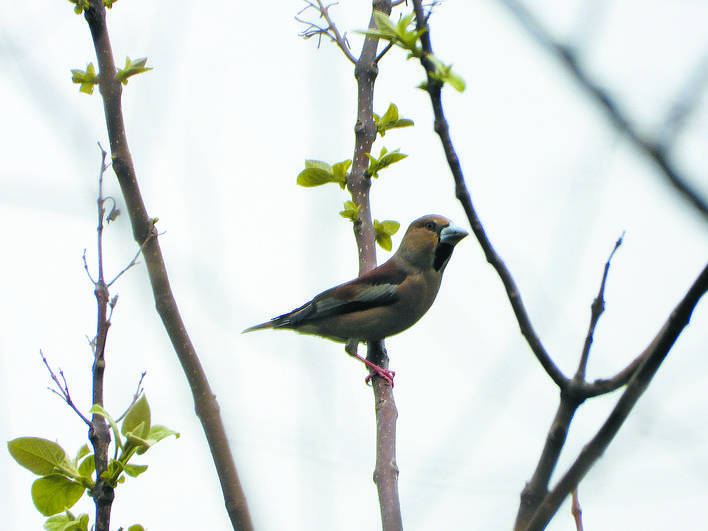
[(385, 300)]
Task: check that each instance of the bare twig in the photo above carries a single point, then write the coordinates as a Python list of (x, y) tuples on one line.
[(653, 356), (604, 386), (383, 52), (653, 150), (86, 268), (686, 102), (577, 512), (143, 231), (62, 390), (330, 30), (133, 262), (136, 397), (596, 309), (441, 128)]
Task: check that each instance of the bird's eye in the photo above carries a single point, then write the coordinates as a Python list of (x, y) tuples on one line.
[(430, 225)]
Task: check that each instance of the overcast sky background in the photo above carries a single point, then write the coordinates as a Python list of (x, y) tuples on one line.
[(219, 131)]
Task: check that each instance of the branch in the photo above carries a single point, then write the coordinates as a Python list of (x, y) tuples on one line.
[(596, 309), (687, 101), (359, 183), (654, 355), (144, 233), (577, 512), (99, 434), (62, 390), (653, 150), (330, 30), (441, 128)]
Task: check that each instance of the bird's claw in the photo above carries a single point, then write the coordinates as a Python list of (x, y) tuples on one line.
[(383, 373)]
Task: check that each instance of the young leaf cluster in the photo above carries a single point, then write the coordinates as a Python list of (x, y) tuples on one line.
[(132, 68), (82, 5), (88, 78), (385, 159), (390, 120), (318, 172), (65, 480), (384, 230), (403, 36)]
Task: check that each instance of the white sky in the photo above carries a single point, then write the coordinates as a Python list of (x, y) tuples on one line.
[(219, 131)]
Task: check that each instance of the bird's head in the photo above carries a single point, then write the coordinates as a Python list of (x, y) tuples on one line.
[(429, 241)]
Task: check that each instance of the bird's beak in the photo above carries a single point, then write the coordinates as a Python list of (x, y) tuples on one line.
[(452, 234)]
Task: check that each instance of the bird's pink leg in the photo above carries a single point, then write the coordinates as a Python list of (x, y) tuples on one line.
[(386, 374)]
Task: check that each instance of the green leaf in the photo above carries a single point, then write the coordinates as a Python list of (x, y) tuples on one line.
[(83, 452), (109, 3), (132, 68), (157, 433), (55, 493), (391, 114), (339, 172), (38, 455), (80, 5), (351, 211), (87, 467), (390, 120), (316, 173), (390, 158), (114, 470), (384, 230), (398, 34), (135, 470), (97, 409), (136, 527), (85, 78), (67, 522), (445, 74), (385, 159), (137, 420)]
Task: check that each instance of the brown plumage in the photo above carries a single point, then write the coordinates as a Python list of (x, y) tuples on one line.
[(387, 299)]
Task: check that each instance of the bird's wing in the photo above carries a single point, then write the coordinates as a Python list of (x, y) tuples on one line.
[(375, 288), (331, 303)]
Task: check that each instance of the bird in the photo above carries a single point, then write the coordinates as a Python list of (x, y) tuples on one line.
[(383, 301)]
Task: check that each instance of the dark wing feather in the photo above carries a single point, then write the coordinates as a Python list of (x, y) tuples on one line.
[(375, 288)]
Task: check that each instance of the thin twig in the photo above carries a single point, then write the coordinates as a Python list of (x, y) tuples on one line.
[(441, 128), (86, 268), (330, 30), (686, 102), (136, 397), (63, 390), (134, 261), (577, 512), (653, 150), (383, 52), (596, 309), (603, 386)]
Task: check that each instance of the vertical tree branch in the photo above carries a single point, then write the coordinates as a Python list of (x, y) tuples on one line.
[(99, 434), (386, 470), (145, 234)]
